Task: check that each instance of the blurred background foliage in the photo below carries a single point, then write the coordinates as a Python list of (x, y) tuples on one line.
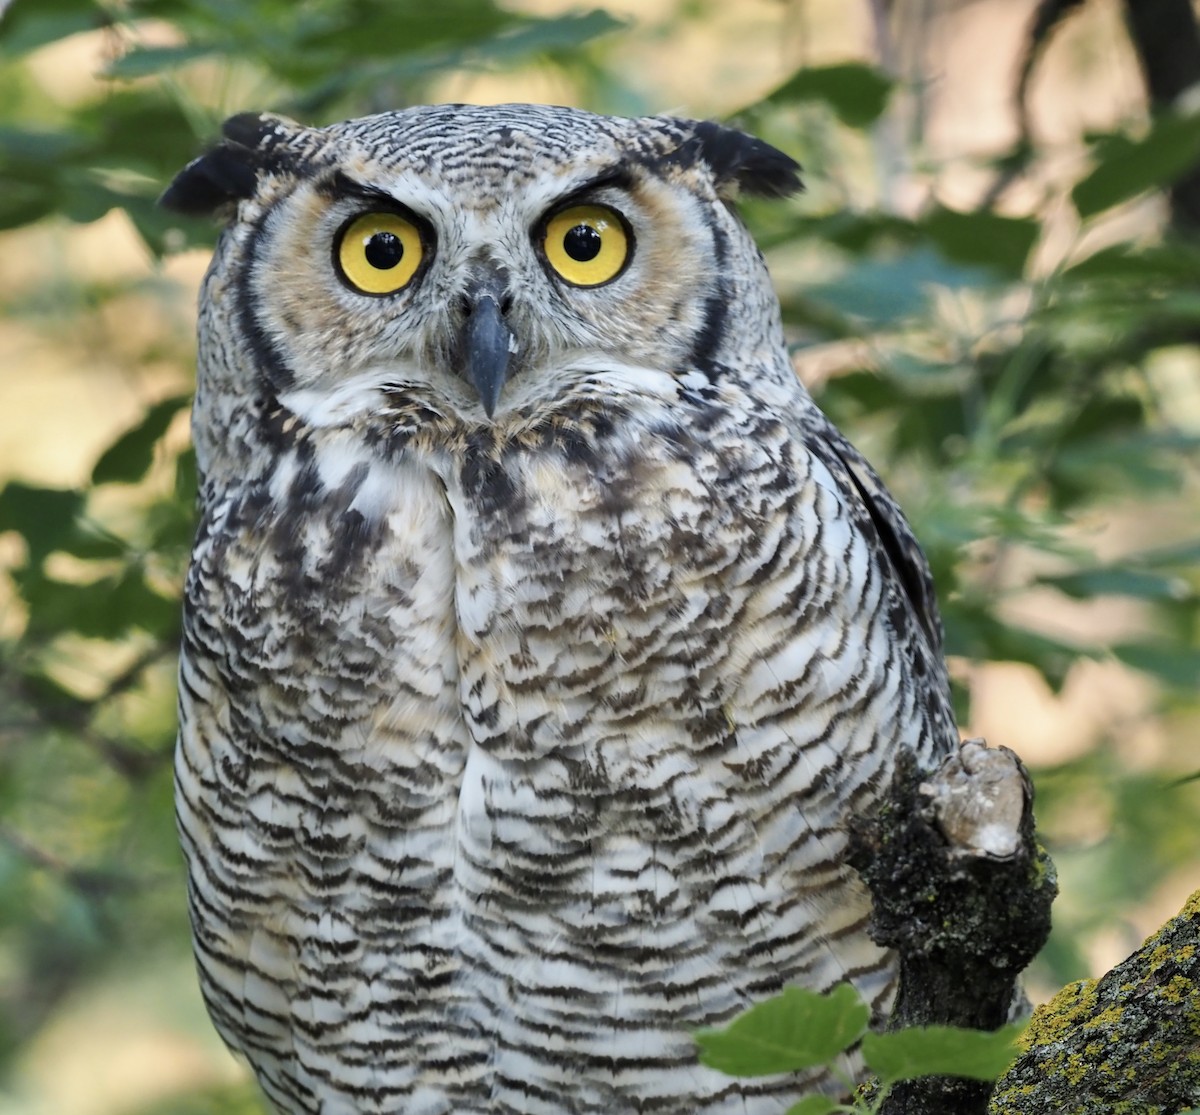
[(992, 283)]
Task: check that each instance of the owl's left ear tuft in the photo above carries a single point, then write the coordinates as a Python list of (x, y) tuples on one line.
[(229, 172), (744, 164)]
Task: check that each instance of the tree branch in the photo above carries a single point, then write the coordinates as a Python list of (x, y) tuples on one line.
[(962, 892), (1129, 1041)]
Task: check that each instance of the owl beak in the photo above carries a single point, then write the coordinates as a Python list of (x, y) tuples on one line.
[(488, 342)]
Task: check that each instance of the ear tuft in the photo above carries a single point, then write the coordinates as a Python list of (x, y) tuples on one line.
[(228, 172), (742, 163), (250, 128), (215, 179)]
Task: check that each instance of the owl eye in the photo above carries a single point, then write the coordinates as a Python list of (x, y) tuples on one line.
[(587, 245), (378, 253)]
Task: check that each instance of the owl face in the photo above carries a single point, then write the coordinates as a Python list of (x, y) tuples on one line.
[(482, 260)]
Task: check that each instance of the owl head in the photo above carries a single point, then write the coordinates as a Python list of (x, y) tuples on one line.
[(480, 261)]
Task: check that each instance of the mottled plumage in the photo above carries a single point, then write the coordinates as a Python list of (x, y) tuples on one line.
[(541, 635)]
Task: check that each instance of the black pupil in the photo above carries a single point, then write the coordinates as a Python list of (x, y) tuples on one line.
[(582, 243), (384, 251)]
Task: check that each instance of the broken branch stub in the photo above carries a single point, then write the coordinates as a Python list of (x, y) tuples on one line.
[(962, 892)]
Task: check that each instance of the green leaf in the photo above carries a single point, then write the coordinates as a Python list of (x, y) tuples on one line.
[(984, 239), (1178, 555), (1130, 167), (22, 203), (855, 232), (548, 36), (21, 146), (398, 33), (371, 29), (1186, 780), (104, 609), (1174, 262), (1171, 663), (44, 517), (883, 290), (138, 130), (797, 1029), (128, 458), (48, 694), (1142, 584), (92, 542), (163, 232), (186, 483), (813, 1105), (1122, 460), (974, 631), (34, 166), (28, 24), (941, 1051), (451, 43), (857, 94), (147, 61)]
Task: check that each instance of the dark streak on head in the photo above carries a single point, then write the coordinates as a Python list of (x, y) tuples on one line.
[(707, 344), (266, 357), (338, 184)]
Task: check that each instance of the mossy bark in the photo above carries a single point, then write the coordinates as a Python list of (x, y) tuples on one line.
[(1126, 1043)]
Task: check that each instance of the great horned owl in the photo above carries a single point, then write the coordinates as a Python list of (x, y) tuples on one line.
[(541, 634)]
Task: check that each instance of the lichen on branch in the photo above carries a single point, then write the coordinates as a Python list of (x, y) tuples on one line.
[(1126, 1043)]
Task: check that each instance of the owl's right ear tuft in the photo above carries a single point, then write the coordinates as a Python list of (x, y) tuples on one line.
[(744, 164), (228, 172)]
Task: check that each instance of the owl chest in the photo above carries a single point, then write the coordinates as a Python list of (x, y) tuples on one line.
[(437, 707), (435, 576), (446, 644)]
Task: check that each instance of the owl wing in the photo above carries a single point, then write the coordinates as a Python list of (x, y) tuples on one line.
[(882, 521)]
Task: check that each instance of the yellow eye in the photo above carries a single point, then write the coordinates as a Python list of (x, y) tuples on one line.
[(379, 253), (587, 245)]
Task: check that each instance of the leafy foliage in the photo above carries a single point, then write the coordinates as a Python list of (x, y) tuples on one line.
[(940, 1051), (797, 1029), (1016, 395), (800, 1029)]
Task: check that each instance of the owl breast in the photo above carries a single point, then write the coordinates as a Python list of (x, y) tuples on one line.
[(510, 758)]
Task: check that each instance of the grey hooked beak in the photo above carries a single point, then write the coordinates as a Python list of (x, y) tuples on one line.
[(487, 339)]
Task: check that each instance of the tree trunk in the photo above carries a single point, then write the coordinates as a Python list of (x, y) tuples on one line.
[(1167, 40)]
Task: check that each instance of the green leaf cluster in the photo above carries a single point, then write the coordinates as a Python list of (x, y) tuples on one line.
[(802, 1029)]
